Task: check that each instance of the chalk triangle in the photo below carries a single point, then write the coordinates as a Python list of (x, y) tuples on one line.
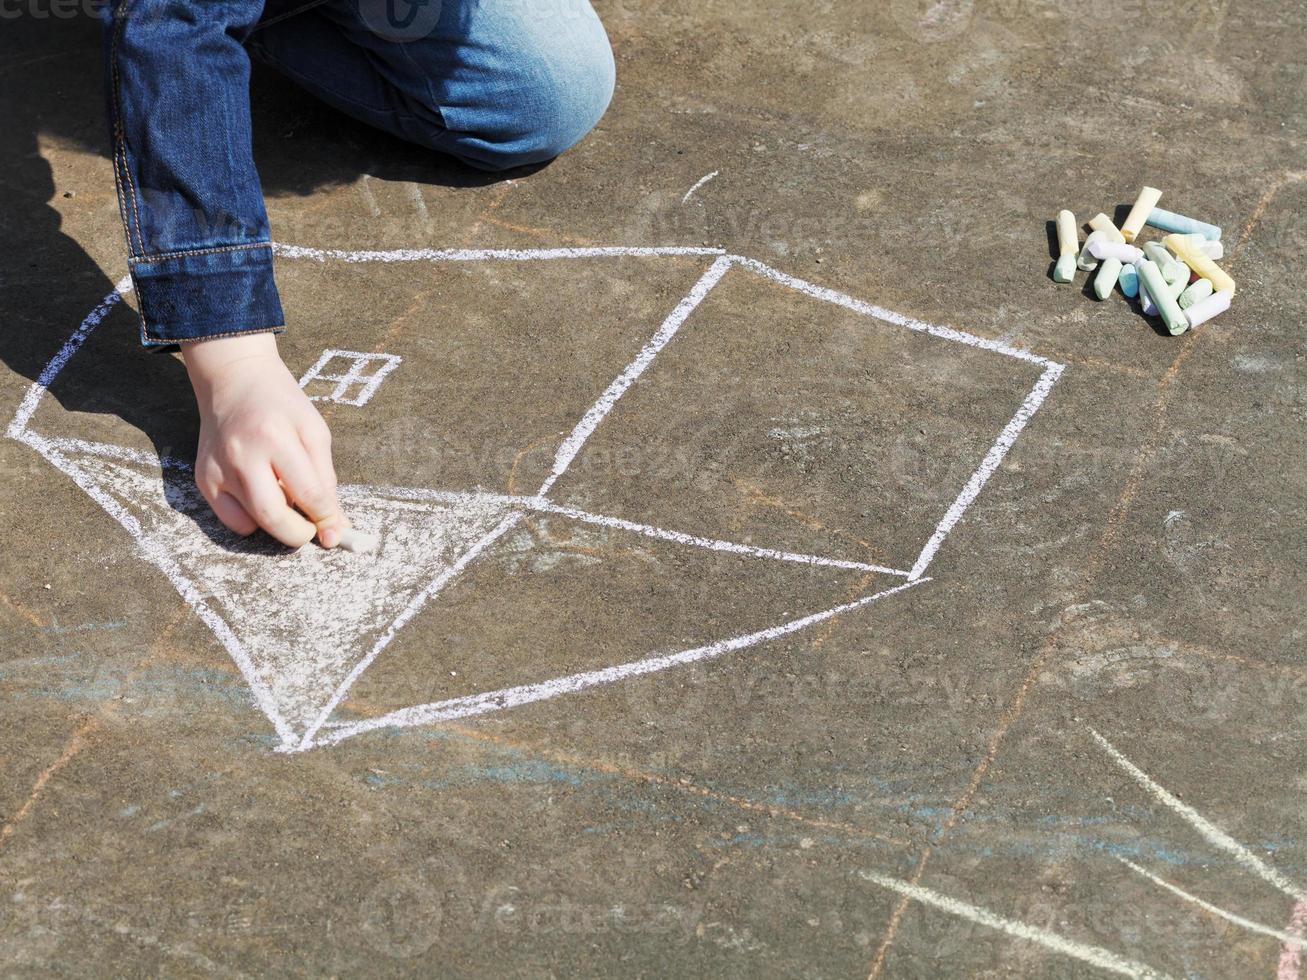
[(302, 619), (567, 604)]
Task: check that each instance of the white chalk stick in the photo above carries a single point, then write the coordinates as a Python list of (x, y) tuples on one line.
[(359, 542), (1087, 262), (1145, 299), (1126, 254), (1214, 250), (1205, 309)]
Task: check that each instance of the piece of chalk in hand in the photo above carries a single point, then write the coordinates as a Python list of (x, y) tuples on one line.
[(359, 542)]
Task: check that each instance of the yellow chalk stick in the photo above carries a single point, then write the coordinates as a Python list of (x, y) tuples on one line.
[(1068, 246), (1101, 222), (1143, 207), (1196, 259), (1068, 242)]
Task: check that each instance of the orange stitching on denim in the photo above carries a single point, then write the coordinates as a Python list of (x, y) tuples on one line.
[(213, 336), (121, 16), (119, 138), (185, 253)]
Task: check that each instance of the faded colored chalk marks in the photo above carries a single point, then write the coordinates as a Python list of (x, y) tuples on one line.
[(1221, 913), (1291, 952), (1209, 831)]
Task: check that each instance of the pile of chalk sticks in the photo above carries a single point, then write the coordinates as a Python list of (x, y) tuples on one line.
[(1177, 279)]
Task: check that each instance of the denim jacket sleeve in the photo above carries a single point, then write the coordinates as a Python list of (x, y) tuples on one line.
[(197, 233)]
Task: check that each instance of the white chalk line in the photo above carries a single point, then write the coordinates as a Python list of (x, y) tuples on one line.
[(190, 594), (618, 251), (419, 204), (548, 507), (1237, 920), (375, 495), (513, 697), (545, 506), (27, 408), (1094, 955), (369, 200), (993, 459), (372, 381), (318, 367), (1213, 834), (597, 412), (889, 316), (563, 458), (485, 254), (187, 589), (411, 610), (353, 375), (123, 454), (691, 192)]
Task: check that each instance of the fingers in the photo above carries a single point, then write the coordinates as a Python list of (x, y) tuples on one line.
[(265, 501), (232, 514), (308, 491), (209, 481), (317, 443)]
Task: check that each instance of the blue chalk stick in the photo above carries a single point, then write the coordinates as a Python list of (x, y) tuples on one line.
[(1129, 281), (1170, 221)]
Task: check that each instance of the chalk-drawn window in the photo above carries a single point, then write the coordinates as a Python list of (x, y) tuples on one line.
[(347, 377)]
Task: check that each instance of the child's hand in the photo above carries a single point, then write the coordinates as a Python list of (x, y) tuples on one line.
[(263, 446)]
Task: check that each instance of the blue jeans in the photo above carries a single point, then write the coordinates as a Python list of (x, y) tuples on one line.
[(495, 83)]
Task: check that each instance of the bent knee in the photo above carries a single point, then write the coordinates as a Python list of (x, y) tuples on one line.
[(543, 104)]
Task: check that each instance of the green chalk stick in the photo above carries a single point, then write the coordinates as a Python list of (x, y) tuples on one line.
[(1150, 278), (1109, 270), (1195, 291)]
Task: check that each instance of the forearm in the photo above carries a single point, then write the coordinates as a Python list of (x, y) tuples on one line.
[(189, 194)]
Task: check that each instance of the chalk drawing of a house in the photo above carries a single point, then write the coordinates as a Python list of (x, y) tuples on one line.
[(301, 659)]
